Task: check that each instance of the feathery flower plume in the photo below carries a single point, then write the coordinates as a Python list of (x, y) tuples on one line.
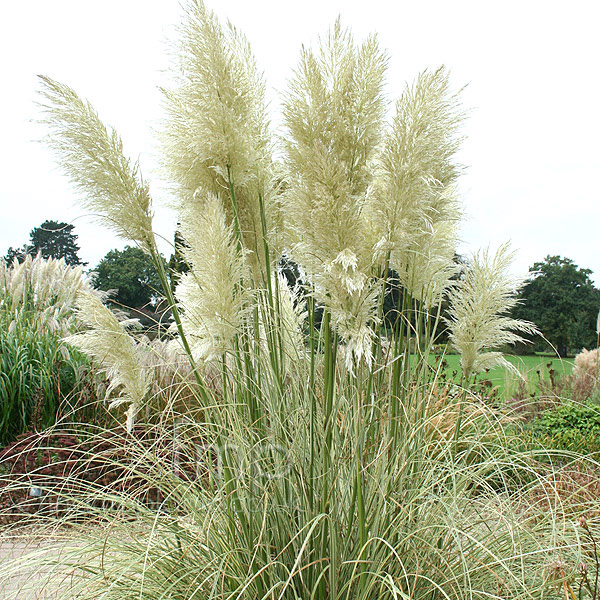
[(116, 351), (212, 295), (334, 117), (587, 363), (290, 316), (479, 305), (92, 156), (415, 170), (426, 267), (429, 271), (217, 135), (40, 291), (351, 297)]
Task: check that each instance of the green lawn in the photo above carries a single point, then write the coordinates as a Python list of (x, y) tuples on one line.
[(531, 367)]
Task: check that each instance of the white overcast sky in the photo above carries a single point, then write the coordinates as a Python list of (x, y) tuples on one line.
[(532, 69)]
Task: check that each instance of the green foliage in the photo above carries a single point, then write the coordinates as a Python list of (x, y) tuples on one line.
[(570, 426), (563, 302), (15, 253), (37, 373), (131, 273)]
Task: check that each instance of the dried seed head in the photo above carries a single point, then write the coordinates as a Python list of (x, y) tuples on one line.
[(556, 570)]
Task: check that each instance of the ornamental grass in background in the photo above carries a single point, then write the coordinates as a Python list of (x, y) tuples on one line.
[(315, 458), (585, 378), (587, 365), (39, 375)]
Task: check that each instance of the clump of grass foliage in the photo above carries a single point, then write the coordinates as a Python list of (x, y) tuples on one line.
[(326, 465), (37, 370)]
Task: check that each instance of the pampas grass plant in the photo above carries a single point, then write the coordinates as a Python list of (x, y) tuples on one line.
[(39, 294), (37, 370), (325, 463), (478, 317)]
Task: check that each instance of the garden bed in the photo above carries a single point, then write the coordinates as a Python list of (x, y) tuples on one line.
[(39, 470)]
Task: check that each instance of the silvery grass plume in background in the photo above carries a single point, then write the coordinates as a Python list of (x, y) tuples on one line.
[(480, 304), (106, 339), (39, 294), (328, 462)]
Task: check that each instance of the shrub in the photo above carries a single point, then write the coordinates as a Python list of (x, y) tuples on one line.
[(570, 426), (64, 463)]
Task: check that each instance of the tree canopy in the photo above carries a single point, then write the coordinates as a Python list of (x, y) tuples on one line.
[(132, 274), (562, 301), (52, 239), (18, 253)]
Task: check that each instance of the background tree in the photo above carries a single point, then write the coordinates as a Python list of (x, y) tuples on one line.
[(18, 253), (562, 301), (55, 240), (132, 274), (52, 239)]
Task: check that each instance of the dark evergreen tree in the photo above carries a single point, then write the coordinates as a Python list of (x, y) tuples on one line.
[(54, 240), (18, 253)]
